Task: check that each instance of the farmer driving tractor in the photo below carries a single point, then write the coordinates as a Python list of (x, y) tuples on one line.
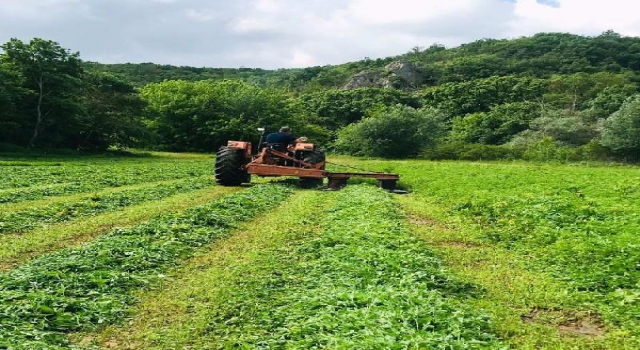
[(281, 139)]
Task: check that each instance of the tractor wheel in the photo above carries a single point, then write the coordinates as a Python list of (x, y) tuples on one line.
[(229, 171), (310, 182), (314, 157)]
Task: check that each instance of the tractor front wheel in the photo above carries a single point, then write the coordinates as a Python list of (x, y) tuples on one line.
[(229, 162)]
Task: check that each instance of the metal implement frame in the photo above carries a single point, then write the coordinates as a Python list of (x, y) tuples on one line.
[(336, 180)]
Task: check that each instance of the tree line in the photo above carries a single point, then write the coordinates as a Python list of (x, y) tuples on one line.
[(549, 96)]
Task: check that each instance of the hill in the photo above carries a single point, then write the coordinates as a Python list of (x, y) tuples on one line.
[(540, 56), (548, 96)]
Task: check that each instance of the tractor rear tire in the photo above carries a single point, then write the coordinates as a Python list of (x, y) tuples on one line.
[(314, 157), (228, 170)]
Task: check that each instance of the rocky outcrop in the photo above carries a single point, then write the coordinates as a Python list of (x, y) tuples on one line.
[(367, 79), (401, 75)]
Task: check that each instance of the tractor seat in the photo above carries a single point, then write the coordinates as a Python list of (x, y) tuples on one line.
[(280, 147)]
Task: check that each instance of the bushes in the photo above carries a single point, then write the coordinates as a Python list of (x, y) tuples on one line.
[(621, 131), (395, 132), (471, 151), (543, 150)]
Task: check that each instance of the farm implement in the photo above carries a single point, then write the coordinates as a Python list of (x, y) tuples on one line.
[(235, 164)]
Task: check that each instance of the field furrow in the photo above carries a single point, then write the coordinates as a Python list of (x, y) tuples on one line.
[(82, 288), (333, 270)]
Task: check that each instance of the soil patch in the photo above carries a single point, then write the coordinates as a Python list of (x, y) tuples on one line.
[(569, 322)]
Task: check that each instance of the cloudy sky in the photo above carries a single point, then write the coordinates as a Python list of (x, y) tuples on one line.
[(294, 33)]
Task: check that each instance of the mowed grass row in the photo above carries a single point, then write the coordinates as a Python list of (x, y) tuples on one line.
[(22, 217), (19, 248), (89, 286), (336, 270), (24, 183), (556, 246), (108, 172)]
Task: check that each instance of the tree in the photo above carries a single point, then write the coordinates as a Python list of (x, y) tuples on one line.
[(203, 115), (496, 126), (459, 99), (52, 76), (621, 131), (338, 108), (11, 92), (565, 127), (393, 132), (112, 113), (610, 99)]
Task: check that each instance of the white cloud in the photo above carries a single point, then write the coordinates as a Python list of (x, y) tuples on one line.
[(589, 17), (248, 25), (293, 33), (34, 10), (200, 15), (374, 12), (302, 59), (269, 6)]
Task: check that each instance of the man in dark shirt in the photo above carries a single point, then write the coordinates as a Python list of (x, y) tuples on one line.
[(282, 138)]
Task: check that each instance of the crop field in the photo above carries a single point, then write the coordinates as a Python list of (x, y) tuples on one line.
[(147, 252)]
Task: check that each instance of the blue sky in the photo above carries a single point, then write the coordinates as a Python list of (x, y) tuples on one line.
[(294, 33)]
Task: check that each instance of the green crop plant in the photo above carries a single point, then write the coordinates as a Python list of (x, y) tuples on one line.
[(89, 205), (25, 183), (85, 287), (362, 281)]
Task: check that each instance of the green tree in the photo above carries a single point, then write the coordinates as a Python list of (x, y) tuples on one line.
[(574, 91), (52, 76), (497, 126), (565, 127), (203, 115), (473, 67), (393, 132), (621, 131), (610, 99), (338, 108), (459, 99), (112, 113), (11, 93)]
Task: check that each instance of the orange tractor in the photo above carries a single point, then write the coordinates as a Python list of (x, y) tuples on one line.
[(235, 164)]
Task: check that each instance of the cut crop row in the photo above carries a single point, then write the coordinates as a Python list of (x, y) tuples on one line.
[(362, 282), (106, 174), (27, 219), (79, 289), (576, 224)]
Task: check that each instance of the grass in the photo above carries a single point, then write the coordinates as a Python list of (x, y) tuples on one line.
[(18, 248), (317, 275), (176, 313), (552, 244), (531, 309), (25, 216), (518, 255), (84, 287)]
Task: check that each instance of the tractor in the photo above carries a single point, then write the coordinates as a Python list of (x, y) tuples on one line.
[(235, 163)]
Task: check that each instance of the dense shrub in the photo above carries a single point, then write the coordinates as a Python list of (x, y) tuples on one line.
[(621, 131), (394, 132), (470, 151)]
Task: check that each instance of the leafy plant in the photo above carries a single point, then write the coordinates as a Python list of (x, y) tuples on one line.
[(89, 286)]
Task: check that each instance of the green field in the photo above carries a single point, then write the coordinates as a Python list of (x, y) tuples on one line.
[(147, 253)]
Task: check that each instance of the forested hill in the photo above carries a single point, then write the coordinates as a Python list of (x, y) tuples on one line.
[(549, 96), (540, 56)]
